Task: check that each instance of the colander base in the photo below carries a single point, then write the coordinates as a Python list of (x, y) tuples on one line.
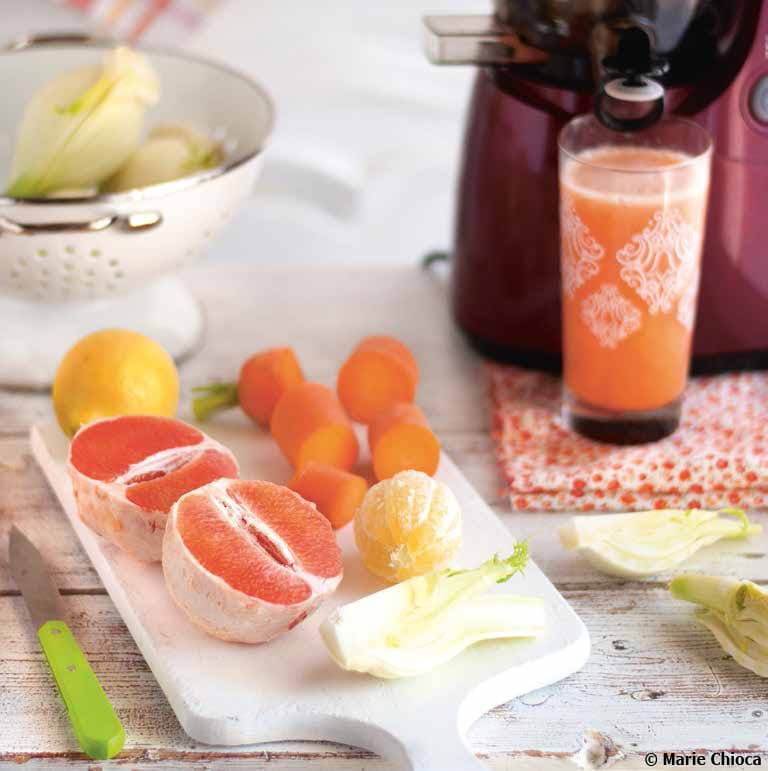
[(37, 334)]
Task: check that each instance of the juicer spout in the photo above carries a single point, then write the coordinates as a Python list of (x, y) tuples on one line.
[(630, 98), (478, 39)]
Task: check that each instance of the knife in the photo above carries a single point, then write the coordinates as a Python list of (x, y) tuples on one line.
[(97, 727)]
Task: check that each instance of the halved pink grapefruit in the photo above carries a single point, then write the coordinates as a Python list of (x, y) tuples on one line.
[(128, 471), (247, 561)]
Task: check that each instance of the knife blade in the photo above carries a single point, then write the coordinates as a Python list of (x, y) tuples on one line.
[(96, 725), (30, 573)]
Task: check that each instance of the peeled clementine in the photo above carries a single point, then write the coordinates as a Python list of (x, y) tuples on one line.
[(407, 526)]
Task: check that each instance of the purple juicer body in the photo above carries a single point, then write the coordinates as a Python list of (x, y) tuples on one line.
[(733, 298), (506, 285)]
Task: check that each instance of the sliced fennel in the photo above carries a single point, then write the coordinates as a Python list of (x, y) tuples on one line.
[(736, 612), (171, 150), (416, 625), (645, 543), (80, 127)]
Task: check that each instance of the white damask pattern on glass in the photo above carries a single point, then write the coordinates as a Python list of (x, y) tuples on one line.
[(610, 316), (658, 262), (686, 305), (581, 251)]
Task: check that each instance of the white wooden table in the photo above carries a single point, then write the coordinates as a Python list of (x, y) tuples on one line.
[(656, 681)]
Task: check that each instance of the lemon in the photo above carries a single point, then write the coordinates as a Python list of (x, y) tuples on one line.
[(407, 526), (114, 372)]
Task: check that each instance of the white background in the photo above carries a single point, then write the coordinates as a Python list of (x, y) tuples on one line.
[(365, 154)]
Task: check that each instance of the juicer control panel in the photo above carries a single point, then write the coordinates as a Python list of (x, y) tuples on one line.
[(758, 100)]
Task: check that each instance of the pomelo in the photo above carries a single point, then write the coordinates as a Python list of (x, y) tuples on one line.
[(128, 471), (114, 372), (247, 561)]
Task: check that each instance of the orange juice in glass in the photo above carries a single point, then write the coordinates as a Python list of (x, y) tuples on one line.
[(632, 217)]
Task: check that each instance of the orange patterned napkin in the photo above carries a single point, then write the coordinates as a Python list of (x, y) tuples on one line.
[(132, 19), (718, 457)]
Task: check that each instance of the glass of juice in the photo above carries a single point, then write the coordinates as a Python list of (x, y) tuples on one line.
[(632, 219)]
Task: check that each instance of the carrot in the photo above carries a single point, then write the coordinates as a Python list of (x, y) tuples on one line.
[(264, 377), (379, 372), (308, 423), (400, 439), (336, 493)]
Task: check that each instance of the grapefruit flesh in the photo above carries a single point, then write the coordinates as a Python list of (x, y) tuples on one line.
[(128, 471), (248, 560)]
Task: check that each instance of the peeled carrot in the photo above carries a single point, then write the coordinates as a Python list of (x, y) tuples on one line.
[(379, 372), (400, 439), (264, 378), (308, 423), (336, 493)]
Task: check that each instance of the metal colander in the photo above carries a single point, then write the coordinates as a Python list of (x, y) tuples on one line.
[(66, 250)]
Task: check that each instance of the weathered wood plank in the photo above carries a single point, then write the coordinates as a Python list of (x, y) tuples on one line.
[(323, 312), (656, 681), (19, 409), (404, 301), (25, 498), (742, 558), (473, 451), (282, 757)]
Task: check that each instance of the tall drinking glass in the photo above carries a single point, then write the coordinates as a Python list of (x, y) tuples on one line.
[(632, 216)]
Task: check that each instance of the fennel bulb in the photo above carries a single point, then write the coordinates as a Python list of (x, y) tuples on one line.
[(414, 626), (736, 612), (80, 127), (645, 543), (73, 192), (169, 152)]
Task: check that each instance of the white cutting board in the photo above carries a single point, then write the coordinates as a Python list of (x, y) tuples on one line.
[(227, 693)]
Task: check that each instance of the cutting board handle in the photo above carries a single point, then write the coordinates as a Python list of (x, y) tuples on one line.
[(442, 751), (428, 742), (422, 740), (435, 741)]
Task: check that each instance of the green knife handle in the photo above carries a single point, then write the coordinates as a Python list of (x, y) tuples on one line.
[(97, 727)]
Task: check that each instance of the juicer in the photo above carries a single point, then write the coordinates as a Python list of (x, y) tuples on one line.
[(542, 62)]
